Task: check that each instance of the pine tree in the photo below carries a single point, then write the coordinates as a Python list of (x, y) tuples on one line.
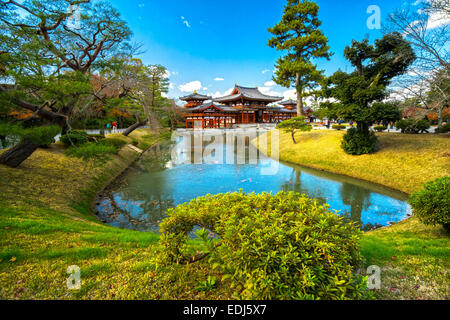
[(299, 36)]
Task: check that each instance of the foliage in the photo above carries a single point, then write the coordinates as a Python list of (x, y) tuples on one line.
[(432, 203), (75, 138), (355, 92), (116, 142), (295, 124), (298, 35), (379, 128), (357, 143), (444, 128), (42, 135), (413, 125), (92, 150), (338, 127), (283, 246), (386, 111)]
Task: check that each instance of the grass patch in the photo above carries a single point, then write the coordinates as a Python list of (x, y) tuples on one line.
[(414, 258)]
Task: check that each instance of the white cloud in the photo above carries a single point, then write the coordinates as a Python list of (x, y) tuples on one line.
[(171, 86), (219, 94), (268, 91), (186, 23), (290, 94), (219, 79), (437, 19), (270, 83), (265, 71), (190, 86)]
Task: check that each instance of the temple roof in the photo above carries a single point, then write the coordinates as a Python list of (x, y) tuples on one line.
[(211, 104), (288, 102), (249, 94), (278, 109), (195, 96)]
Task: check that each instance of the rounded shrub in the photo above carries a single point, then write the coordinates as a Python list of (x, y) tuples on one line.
[(75, 137), (379, 128), (357, 143), (444, 128), (116, 142), (338, 127), (413, 126), (432, 204), (283, 246)]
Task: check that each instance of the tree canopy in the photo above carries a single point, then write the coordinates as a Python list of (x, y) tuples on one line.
[(299, 36)]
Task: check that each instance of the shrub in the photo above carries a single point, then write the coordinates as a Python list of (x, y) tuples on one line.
[(78, 138), (379, 128), (43, 135), (432, 203), (116, 142), (412, 126), (95, 137), (92, 150), (357, 143), (283, 246), (338, 127), (444, 128)]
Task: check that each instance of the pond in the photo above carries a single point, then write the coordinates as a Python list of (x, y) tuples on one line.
[(170, 174)]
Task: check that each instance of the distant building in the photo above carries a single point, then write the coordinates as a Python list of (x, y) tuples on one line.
[(243, 106)]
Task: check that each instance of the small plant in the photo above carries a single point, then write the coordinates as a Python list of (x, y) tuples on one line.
[(207, 285), (338, 127), (295, 124), (92, 150), (379, 128), (432, 204), (75, 138), (357, 143), (116, 142)]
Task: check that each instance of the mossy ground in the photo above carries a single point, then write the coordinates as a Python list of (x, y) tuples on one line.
[(414, 258)]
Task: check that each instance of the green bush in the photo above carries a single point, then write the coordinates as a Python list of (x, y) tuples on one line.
[(116, 142), (413, 126), (43, 135), (338, 127), (95, 137), (379, 128), (432, 204), (283, 246), (444, 128), (75, 137), (92, 150), (357, 143)]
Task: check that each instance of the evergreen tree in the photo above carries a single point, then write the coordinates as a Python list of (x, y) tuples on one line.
[(299, 36), (355, 92)]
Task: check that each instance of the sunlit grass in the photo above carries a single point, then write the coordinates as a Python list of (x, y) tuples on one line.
[(414, 258)]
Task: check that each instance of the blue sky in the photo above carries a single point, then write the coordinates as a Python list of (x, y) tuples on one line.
[(203, 42)]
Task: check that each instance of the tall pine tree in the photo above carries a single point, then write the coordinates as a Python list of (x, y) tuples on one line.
[(299, 36)]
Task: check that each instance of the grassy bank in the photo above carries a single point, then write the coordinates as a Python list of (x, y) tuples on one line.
[(46, 226), (414, 258)]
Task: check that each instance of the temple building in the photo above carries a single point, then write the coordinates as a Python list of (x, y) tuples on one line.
[(242, 106)]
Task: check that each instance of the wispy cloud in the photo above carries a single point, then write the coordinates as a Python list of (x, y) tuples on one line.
[(185, 22), (219, 79)]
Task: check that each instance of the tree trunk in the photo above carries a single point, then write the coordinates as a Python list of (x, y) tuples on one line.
[(300, 111), (293, 136), (440, 117), (18, 154), (138, 124)]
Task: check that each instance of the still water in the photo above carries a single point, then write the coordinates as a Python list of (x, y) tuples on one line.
[(139, 199)]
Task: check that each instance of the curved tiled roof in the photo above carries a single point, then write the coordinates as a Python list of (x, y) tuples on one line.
[(288, 102), (195, 96), (211, 104), (247, 93)]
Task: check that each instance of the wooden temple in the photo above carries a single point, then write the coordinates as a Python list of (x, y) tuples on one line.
[(243, 106)]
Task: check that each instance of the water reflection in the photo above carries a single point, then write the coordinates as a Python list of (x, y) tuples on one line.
[(166, 177)]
